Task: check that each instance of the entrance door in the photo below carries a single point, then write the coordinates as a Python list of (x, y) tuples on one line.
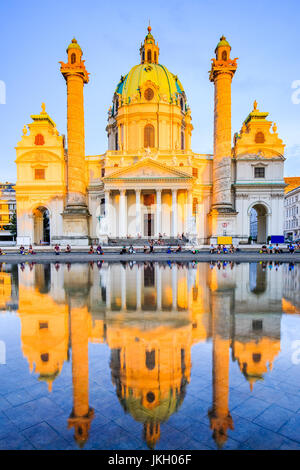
[(148, 225)]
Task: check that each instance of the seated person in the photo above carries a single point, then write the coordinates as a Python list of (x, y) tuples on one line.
[(91, 250), (212, 249), (270, 249), (231, 249), (131, 250), (123, 251), (225, 249), (219, 248), (30, 250), (151, 248), (68, 249), (264, 249), (57, 249), (145, 249), (179, 249), (277, 249), (99, 250), (1, 252), (169, 250), (291, 248)]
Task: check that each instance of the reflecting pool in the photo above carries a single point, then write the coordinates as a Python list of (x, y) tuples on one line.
[(150, 356)]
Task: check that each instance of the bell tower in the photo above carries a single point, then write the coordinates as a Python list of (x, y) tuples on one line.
[(222, 71), (75, 215)]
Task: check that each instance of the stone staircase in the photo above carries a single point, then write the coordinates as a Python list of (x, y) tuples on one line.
[(145, 241)]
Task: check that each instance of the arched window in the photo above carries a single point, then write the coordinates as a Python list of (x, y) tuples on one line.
[(150, 359), (117, 105), (73, 58), (149, 56), (149, 136), (181, 104), (259, 138), (39, 139), (155, 57), (116, 141), (143, 56), (182, 140), (224, 55)]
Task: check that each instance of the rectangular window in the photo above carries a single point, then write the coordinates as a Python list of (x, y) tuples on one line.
[(195, 172), (257, 325), (43, 325), (259, 172), (39, 174)]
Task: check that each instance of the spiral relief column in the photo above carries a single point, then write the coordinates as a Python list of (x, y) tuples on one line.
[(76, 212), (222, 70)]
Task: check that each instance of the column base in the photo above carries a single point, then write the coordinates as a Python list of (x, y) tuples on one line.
[(75, 226), (222, 223)]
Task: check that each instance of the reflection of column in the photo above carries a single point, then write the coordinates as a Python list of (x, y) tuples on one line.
[(158, 287), (158, 212), (174, 286), (138, 211), (138, 288), (220, 418), (122, 214), (174, 213), (82, 414), (123, 288)]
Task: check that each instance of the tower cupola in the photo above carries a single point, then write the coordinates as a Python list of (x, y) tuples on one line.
[(223, 49), (149, 51), (74, 52)]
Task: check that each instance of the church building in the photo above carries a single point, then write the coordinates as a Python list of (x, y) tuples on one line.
[(149, 183)]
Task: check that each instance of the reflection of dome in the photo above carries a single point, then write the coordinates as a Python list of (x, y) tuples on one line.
[(152, 417), (158, 74)]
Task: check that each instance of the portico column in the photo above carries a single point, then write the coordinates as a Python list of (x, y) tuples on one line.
[(138, 211), (174, 213), (158, 212), (122, 214), (189, 211), (107, 210)]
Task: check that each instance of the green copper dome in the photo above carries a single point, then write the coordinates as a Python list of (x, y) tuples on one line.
[(168, 84)]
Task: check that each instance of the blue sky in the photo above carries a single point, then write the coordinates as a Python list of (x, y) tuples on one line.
[(34, 36)]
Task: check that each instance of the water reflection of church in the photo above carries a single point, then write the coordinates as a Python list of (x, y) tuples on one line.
[(150, 316)]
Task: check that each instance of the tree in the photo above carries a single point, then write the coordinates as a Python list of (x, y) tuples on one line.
[(13, 224)]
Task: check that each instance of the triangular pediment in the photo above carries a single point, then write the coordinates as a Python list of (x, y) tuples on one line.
[(148, 169)]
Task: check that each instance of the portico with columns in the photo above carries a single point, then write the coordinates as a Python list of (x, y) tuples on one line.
[(147, 200)]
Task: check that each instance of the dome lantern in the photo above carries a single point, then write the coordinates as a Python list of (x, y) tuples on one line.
[(149, 51)]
